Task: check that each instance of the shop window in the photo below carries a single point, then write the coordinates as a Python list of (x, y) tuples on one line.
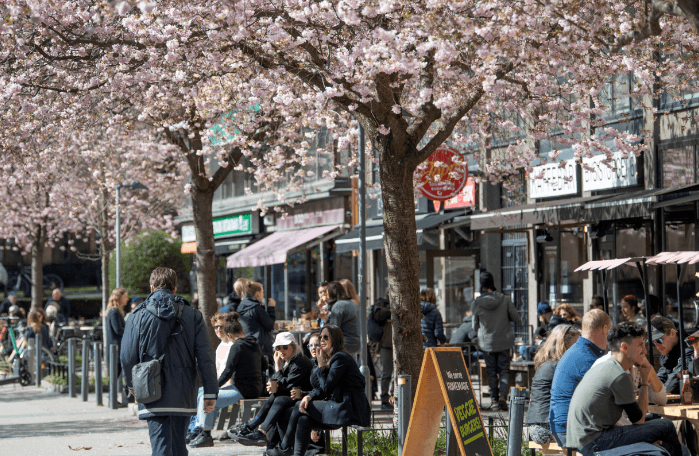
[(679, 166)]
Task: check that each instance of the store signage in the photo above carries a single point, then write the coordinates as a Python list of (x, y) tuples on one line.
[(465, 198), (317, 213), (444, 380), (552, 180), (443, 174), (234, 225), (620, 172)]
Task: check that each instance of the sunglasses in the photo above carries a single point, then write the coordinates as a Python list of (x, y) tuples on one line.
[(325, 337), (658, 341), (281, 347)]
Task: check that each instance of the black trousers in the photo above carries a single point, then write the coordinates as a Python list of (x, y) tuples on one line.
[(262, 414), (279, 405), (308, 422)]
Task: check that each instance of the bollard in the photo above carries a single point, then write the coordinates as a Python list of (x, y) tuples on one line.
[(97, 348), (514, 434), (405, 405), (71, 368), (31, 356), (37, 359), (113, 358), (85, 380)]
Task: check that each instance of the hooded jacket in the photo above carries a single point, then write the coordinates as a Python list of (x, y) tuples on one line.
[(431, 324), (147, 337), (257, 322), (492, 314), (244, 365)]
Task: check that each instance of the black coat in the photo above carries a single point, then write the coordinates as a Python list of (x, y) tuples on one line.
[(244, 365), (257, 322), (342, 385), (233, 303), (45, 338), (382, 314), (540, 402), (296, 374), (671, 365), (115, 327), (64, 311)]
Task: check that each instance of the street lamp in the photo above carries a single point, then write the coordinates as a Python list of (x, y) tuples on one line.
[(135, 185)]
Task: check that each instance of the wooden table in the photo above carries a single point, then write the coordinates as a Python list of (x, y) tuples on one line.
[(678, 412)]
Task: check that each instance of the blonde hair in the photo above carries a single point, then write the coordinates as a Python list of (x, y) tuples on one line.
[(556, 344), (240, 286), (35, 321), (595, 320), (349, 290), (115, 300)]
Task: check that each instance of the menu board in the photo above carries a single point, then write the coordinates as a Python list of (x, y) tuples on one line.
[(444, 380)]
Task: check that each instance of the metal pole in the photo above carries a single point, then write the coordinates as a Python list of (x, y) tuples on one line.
[(37, 359), (85, 380), (514, 435), (286, 290), (118, 235), (321, 251), (361, 276), (680, 312), (71, 368), (604, 292), (643, 270), (113, 357), (405, 405), (97, 348), (32, 354)]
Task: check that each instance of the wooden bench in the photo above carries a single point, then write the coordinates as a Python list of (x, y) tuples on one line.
[(232, 412), (550, 448)]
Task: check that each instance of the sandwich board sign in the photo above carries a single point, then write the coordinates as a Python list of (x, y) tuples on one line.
[(444, 380)]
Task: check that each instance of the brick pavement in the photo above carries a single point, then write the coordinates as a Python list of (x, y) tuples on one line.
[(35, 421)]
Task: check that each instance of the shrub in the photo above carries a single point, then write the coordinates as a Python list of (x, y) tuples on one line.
[(149, 250)]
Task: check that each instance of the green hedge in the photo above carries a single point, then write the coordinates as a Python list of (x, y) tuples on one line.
[(149, 250)]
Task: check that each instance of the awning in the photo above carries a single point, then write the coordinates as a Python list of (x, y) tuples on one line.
[(543, 213), (274, 248), (374, 234), (637, 204)]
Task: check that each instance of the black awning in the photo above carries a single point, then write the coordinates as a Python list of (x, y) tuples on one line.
[(374, 234)]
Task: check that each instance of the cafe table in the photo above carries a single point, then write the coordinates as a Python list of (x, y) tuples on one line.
[(678, 412)]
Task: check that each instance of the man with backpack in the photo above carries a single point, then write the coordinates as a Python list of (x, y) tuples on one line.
[(380, 322), (169, 335)]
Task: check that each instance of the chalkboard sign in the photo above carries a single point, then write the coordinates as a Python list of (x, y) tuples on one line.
[(444, 380)]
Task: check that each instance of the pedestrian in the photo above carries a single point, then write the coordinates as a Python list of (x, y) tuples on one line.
[(63, 305), (116, 309), (256, 320), (492, 314), (155, 331), (382, 315), (344, 313), (135, 301), (431, 324)]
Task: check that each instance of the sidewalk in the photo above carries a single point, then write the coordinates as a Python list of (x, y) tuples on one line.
[(37, 421)]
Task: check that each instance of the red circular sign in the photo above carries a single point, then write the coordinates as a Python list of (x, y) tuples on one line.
[(444, 174)]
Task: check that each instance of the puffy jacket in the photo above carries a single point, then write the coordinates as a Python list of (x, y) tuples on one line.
[(492, 314), (345, 315), (432, 327), (244, 365), (146, 337), (257, 322), (296, 374)]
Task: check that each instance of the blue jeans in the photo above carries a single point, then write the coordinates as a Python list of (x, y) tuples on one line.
[(497, 365), (649, 432), (227, 395)]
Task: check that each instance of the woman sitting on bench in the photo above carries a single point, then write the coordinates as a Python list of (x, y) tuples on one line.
[(339, 400), (292, 371), (243, 366)]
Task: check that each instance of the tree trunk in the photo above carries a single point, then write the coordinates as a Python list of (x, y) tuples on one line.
[(37, 268), (206, 255), (400, 240)]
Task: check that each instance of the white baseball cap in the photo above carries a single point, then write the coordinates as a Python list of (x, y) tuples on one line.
[(284, 338)]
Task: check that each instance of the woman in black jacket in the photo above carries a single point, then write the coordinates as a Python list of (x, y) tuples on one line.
[(115, 318), (292, 371), (339, 400)]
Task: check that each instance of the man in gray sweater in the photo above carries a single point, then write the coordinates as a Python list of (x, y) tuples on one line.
[(492, 314)]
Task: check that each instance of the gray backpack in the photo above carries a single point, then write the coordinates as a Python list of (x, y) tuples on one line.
[(147, 376)]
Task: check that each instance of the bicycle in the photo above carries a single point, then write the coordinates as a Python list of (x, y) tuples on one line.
[(18, 354), (22, 281)]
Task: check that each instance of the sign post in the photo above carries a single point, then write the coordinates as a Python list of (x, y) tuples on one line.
[(444, 380)]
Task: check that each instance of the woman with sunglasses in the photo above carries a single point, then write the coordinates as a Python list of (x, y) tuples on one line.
[(292, 371), (550, 351), (239, 376), (339, 399)]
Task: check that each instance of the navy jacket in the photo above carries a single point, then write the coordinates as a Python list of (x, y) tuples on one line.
[(671, 365), (64, 311), (431, 324), (257, 322), (342, 385), (146, 338), (45, 338), (115, 327)]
